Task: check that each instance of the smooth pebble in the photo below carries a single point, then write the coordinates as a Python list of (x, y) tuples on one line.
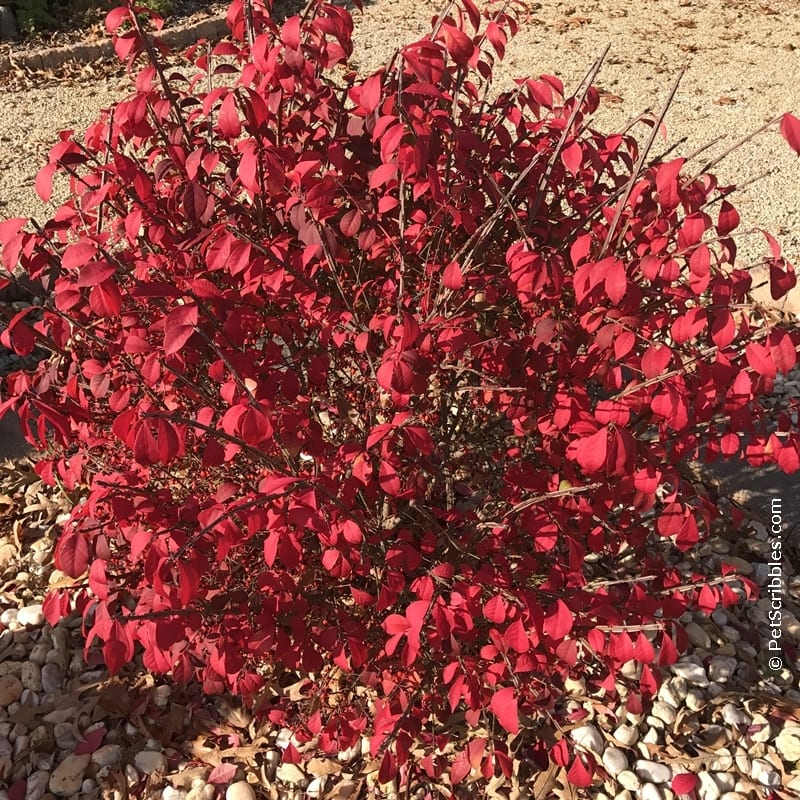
[(707, 789), (788, 744), (734, 716), (31, 615), (589, 738), (626, 734), (651, 792), (653, 771), (697, 636), (629, 780), (10, 690), (664, 711), (37, 784), (52, 678), (107, 755), (720, 668), (615, 761), (150, 761), (67, 778), (240, 790), (31, 676), (693, 673)]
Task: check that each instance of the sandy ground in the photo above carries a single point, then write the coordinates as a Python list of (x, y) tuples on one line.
[(741, 63), (742, 68)]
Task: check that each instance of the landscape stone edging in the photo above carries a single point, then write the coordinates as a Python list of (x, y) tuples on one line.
[(55, 57)]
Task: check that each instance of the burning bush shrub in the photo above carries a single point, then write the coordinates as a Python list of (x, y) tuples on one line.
[(385, 381)]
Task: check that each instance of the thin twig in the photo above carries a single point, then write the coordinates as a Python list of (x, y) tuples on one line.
[(638, 168), (584, 87)]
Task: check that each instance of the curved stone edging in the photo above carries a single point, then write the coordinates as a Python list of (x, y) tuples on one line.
[(53, 58)]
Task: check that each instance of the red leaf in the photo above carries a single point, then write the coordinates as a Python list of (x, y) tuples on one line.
[(118, 648), (350, 224), (790, 130), (188, 582), (558, 623), (671, 519), (621, 452), (395, 624), (685, 783), (383, 174), (371, 92), (230, 125), (495, 610), (391, 139), (56, 606), (72, 553), (168, 632), (388, 479), (127, 45), (728, 218), (11, 240), (144, 444), (759, 357), (91, 741), (782, 279), (18, 336), (591, 452), (497, 37), (667, 183), (708, 599), (44, 181), (668, 653), (388, 768), (504, 707), (616, 281), (79, 254), (94, 272), (655, 360), (116, 17), (459, 769), (458, 44), (516, 638), (572, 156), (98, 580), (723, 328), (453, 278), (419, 439), (416, 614), (579, 774), (248, 167), (179, 326), (105, 299), (621, 647), (567, 651), (643, 649), (783, 351), (197, 205), (222, 774), (688, 325)]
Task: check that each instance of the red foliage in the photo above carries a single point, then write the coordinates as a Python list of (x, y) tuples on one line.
[(359, 371)]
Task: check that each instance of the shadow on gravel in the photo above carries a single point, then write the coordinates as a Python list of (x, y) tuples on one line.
[(12, 442)]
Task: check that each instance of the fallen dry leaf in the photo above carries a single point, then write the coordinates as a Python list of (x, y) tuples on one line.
[(546, 780), (323, 766)]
